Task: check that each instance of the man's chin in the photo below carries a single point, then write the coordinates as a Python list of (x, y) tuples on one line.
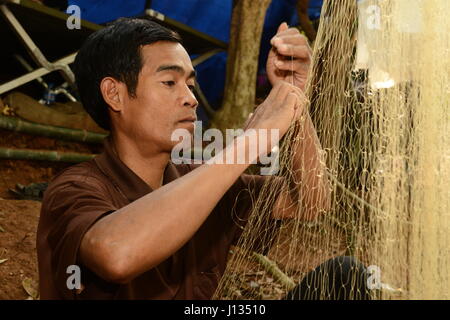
[(188, 125)]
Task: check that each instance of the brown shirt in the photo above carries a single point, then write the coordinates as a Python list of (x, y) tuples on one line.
[(84, 193)]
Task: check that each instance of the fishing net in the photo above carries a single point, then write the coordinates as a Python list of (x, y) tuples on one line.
[(379, 99)]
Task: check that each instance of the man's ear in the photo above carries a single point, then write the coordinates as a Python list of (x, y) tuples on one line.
[(113, 92)]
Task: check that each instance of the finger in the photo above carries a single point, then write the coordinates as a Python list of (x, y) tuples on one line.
[(299, 66), (275, 91), (296, 51), (288, 32), (282, 27), (294, 90), (287, 89), (301, 108), (299, 111), (298, 40), (300, 103), (291, 101), (283, 92), (300, 94)]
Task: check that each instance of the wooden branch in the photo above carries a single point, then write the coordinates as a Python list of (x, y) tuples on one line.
[(43, 155), (31, 110), (272, 268), (18, 125)]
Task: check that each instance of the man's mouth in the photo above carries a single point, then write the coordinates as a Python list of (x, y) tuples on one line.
[(189, 119)]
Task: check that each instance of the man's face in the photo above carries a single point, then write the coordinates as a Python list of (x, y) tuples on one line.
[(164, 98)]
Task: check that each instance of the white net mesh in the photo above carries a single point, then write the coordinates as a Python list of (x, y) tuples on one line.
[(379, 99)]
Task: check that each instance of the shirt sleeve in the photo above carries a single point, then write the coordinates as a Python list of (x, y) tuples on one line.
[(246, 192), (71, 209)]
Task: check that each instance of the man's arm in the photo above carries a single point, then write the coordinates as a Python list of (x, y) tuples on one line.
[(309, 193), (144, 233), (139, 236), (289, 60)]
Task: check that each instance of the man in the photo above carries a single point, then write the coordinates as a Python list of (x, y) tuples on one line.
[(136, 225)]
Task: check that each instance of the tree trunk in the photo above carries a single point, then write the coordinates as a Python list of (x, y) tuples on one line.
[(240, 86), (305, 23)]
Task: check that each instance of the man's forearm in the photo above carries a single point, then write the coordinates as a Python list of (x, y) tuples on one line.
[(144, 233), (311, 181)]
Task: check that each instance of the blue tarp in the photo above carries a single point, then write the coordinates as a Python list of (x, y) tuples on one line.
[(213, 18), (101, 11), (208, 16), (314, 9)]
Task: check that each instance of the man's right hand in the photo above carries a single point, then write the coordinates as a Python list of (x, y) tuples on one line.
[(284, 105)]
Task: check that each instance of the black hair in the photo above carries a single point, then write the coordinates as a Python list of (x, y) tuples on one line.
[(114, 51)]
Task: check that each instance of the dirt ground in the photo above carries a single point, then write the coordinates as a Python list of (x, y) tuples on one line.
[(19, 218)]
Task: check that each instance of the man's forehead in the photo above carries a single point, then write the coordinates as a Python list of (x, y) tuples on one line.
[(165, 53)]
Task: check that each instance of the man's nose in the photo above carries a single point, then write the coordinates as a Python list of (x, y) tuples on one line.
[(189, 99)]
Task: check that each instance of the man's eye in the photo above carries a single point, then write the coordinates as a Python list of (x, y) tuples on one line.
[(191, 87), (169, 83)]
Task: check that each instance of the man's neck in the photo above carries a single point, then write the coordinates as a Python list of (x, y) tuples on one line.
[(146, 163)]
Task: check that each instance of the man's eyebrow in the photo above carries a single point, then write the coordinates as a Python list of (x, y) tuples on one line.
[(176, 68)]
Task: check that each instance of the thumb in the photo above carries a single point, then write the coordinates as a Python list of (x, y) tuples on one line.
[(283, 26)]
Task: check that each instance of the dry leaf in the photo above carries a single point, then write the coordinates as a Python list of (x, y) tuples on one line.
[(30, 287), (1, 229), (3, 260)]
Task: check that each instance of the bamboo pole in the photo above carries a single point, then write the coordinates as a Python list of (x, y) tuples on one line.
[(272, 268), (18, 125), (43, 155), (31, 110)]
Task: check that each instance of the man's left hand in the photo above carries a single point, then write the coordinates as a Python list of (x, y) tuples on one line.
[(290, 57)]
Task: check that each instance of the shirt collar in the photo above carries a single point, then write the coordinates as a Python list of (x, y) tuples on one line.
[(131, 185)]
